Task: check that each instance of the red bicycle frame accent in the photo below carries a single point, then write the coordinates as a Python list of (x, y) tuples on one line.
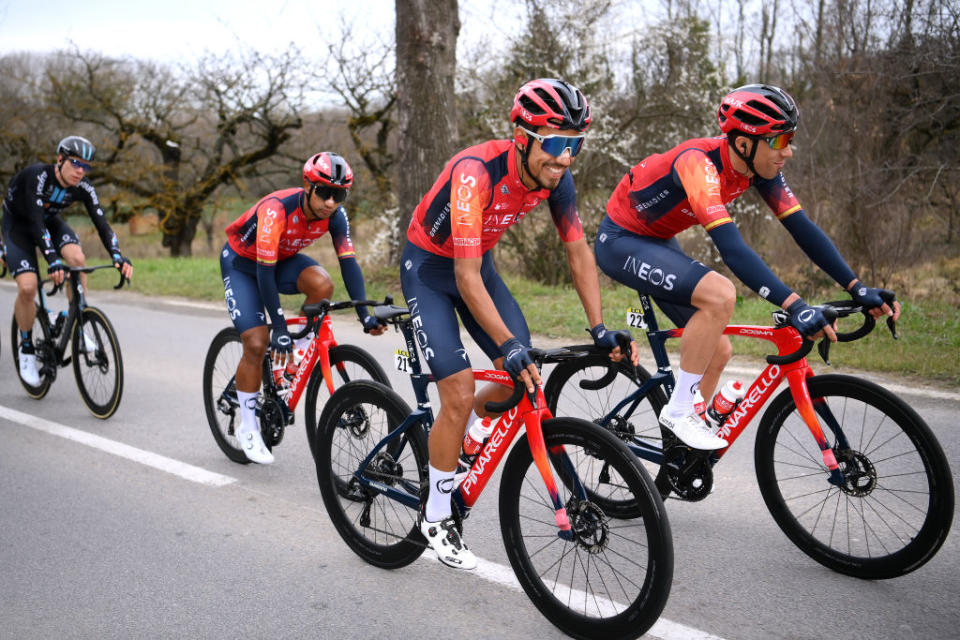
[(318, 349), (787, 340), (507, 428)]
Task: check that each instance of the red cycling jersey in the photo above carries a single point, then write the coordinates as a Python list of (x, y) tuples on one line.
[(690, 184), (482, 188), (276, 228)]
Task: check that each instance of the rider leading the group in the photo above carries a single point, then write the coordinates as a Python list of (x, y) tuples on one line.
[(691, 184)]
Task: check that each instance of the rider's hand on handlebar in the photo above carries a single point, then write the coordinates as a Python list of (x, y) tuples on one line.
[(872, 301), (611, 340), (810, 321), (517, 362), (372, 326), (123, 264), (57, 271), (281, 345)]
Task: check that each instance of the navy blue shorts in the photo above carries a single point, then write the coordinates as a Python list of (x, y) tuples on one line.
[(430, 288), (21, 248), (240, 285), (654, 266)]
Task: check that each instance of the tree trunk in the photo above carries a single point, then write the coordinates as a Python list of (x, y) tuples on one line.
[(426, 36)]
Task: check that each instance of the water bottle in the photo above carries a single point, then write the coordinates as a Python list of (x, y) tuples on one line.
[(699, 405), (300, 347), (724, 402), (278, 371), (473, 440), (289, 373)]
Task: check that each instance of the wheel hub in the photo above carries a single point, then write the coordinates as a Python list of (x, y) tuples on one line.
[(355, 419), (590, 526), (859, 474), (620, 428)]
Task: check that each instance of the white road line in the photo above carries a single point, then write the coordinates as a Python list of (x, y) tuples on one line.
[(504, 576), (163, 463)]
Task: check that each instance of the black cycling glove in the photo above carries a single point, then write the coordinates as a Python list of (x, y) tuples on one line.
[(806, 319), (280, 341), (370, 323), (868, 297), (608, 339), (516, 358), (56, 265)]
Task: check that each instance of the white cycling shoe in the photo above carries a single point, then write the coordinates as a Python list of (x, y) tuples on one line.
[(444, 537), (692, 431), (28, 368), (252, 445), (89, 343)]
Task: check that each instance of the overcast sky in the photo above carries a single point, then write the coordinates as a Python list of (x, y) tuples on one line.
[(182, 30)]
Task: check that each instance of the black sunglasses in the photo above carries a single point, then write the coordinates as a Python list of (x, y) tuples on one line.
[(325, 192)]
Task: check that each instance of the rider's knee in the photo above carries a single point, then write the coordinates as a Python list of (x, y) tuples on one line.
[(456, 394), (73, 255), (724, 351), (716, 295), (316, 283), (255, 342), (27, 288)]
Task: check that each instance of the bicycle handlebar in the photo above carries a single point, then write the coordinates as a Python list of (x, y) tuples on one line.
[(832, 311), (539, 357), (57, 287)]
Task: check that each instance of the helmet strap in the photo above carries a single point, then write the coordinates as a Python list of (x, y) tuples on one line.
[(748, 159), (524, 157)]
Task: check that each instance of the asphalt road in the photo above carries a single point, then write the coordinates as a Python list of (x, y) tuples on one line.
[(94, 544)]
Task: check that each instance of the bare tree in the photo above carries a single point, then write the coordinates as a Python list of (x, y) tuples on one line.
[(175, 138)]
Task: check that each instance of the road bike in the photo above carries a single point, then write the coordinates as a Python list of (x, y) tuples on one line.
[(589, 573), (95, 350), (849, 471), (277, 403)]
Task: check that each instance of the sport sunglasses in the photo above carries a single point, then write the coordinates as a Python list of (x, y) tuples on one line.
[(79, 164), (555, 144), (325, 192), (780, 141)]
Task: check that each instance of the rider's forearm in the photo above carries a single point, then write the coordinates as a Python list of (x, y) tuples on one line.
[(353, 281), (747, 265), (478, 301), (269, 294), (819, 248), (583, 268)]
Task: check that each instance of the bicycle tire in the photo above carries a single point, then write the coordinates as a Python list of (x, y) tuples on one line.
[(99, 374), (567, 398), (895, 509), (39, 391), (356, 417), (347, 362), (641, 562), (219, 369)]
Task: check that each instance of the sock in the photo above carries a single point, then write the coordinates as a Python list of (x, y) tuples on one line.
[(26, 338), (681, 402), (248, 410), (438, 501)]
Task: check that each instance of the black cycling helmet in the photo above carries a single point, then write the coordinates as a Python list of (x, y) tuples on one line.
[(547, 102), (77, 146)]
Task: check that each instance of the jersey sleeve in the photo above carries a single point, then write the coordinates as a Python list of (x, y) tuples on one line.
[(349, 267), (563, 208), (88, 195), (340, 234), (701, 182), (778, 196), (271, 223), (470, 192), (35, 217)]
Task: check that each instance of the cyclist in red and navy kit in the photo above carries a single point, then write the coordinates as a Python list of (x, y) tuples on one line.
[(32, 219), (691, 184), (447, 270), (261, 260)]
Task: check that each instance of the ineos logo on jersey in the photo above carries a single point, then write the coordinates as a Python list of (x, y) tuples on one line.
[(464, 195)]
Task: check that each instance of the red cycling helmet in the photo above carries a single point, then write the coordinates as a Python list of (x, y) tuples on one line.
[(547, 102), (758, 110), (328, 168)]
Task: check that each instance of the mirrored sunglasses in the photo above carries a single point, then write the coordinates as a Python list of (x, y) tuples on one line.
[(325, 192), (80, 164), (780, 141), (555, 144)]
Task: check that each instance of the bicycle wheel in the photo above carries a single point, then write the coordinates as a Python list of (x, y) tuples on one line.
[(97, 363), (46, 355), (357, 416), (896, 504), (220, 392), (590, 388), (347, 363), (612, 580)]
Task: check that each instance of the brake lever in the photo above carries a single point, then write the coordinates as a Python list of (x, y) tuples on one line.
[(892, 325), (824, 350)]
